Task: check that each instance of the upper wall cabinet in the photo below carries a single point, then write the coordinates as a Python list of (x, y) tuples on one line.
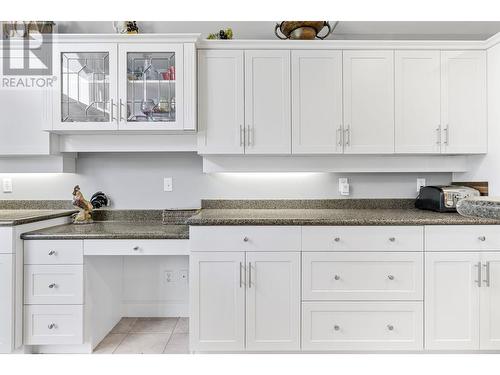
[(317, 102), (147, 86), (463, 102), (417, 110), (267, 102), (368, 102), (221, 109)]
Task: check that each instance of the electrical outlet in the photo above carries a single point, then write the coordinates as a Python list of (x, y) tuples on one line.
[(167, 184), (183, 275), (343, 186), (7, 185), (169, 276), (420, 184)]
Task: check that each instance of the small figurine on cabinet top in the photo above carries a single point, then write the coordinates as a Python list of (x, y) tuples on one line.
[(84, 216), (132, 27)]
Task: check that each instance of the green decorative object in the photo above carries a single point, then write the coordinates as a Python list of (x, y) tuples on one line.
[(222, 34)]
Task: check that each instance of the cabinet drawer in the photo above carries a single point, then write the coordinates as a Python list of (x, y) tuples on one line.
[(362, 276), (136, 247), (362, 326), (53, 284), (245, 238), (53, 252), (53, 324), (462, 237), (362, 238)]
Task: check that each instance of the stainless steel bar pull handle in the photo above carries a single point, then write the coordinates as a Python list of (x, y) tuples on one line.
[(242, 135), (487, 274), (478, 281), (339, 136), (249, 275), (447, 134), (241, 274), (120, 118), (249, 136), (348, 135), (438, 131), (111, 109)]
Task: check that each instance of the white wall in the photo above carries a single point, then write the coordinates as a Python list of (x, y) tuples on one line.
[(136, 181), (486, 167)]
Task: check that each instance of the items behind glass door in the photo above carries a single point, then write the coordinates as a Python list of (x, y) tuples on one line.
[(151, 81)]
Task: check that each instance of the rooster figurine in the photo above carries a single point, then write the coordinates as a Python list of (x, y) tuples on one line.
[(84, 216)]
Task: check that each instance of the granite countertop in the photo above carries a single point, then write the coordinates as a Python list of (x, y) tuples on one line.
[(331, 216), (111, 230), (11, 217)]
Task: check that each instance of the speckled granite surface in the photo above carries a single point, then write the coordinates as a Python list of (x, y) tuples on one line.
[(483, 207), (330, 217), (35, 204), (111, 230), (23, 216), (309, 204)]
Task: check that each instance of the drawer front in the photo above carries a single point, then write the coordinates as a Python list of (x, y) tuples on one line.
[(462, 237), (53, 284), (362, 238), (53, 252), (245, 238), (362, 276), (136, 247), (53, 324), (362, 326)]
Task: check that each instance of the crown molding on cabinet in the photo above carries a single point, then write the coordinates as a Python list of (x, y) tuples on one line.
[(336, 163), (126, 38)]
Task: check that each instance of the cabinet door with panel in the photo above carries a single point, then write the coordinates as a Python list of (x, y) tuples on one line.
[(221, 102), (217, 301), (417, 98), (7, 303), (452, 297), (267, 102), (368, 102), (151, 86), (317, 102), (86, 94), (273, 301), (463, 102), (490, 301)]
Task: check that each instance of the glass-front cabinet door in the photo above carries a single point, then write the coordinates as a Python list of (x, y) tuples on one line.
[(150, 86), (86, 95)]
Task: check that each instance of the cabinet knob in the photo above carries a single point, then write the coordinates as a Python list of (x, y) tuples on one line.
[(52, 286), (336, 327), (392, 239), (336, 239), (482, 238), (390, 327), (136, 248), (52, 326), (52, 252), (245, 239), (390, 277), (336, 277)]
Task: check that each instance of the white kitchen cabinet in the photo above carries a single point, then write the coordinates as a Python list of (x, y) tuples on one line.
[(273, 301), (452, 300), (87, 87), (221, 102), (368, 102), (217, 301), (362, 276), (490, 302), (7, 327), (317, 102), (417, 98), (267, 102), (463, 102), (27, 112)]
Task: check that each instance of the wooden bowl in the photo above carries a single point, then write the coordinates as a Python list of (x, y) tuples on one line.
[(301, 29)]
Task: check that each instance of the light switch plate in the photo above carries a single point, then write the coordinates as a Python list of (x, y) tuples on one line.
[(167, 184), (7, 185)]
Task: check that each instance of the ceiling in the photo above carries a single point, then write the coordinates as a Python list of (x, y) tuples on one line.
[(423, 30)]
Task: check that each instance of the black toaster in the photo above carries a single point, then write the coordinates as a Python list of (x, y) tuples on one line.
[(443, 198)]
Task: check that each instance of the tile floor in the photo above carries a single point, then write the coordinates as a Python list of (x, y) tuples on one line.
[(147, 336)]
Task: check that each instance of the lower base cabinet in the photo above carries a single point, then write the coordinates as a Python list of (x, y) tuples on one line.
[(245, 301), (6, 303), (462, 301), (362, 326)]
